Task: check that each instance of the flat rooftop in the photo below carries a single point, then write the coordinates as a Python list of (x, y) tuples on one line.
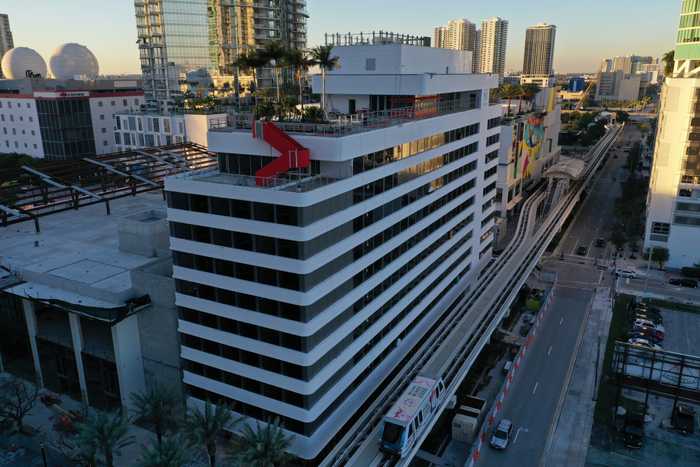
[(76, 255)]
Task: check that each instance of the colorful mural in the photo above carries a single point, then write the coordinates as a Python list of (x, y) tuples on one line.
[(533, 138)]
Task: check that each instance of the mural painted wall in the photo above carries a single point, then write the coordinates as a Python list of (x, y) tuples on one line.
[(532, 142)]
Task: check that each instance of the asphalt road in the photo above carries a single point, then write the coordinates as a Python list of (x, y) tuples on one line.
[(597, 214), (537, 389)]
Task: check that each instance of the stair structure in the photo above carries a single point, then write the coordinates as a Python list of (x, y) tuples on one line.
[(292, 154)]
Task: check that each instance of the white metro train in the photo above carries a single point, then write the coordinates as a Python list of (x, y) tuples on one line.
[(409, 416)]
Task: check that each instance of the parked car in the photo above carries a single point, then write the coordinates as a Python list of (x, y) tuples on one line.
[(641, 342), (675, 281), (656, 319), (658, 334), (633, 431), (626, 273), (643, 322), (690, 283), (501, 435), (600, 243), (582, 251), (683, 419), (646, 335)]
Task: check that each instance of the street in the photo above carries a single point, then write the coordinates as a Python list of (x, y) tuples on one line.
[(532, 404), (538, 391)]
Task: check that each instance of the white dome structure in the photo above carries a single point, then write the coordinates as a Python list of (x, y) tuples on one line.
[(19, 62), (73, 60)]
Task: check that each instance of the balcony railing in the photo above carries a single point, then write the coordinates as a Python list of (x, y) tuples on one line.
[(360, 122)]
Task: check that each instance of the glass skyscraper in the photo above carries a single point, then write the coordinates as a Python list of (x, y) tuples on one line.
[(688, 43), (179, 36)]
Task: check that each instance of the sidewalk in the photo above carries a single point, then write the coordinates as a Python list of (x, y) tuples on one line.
[(571, 437)]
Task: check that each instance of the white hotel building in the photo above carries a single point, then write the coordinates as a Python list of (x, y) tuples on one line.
[(297, 298)]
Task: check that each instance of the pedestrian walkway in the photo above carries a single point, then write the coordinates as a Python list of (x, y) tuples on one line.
[(569, 443)]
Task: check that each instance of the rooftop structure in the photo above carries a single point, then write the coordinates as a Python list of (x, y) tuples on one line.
[(374, 38), (318, 254), (63, 119), (49, 187)]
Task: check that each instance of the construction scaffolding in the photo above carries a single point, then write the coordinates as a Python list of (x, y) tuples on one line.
[(27, 193)]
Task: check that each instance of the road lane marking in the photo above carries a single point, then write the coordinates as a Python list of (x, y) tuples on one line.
[(517, 433), (549, 351), (534, 390), (561, 321)]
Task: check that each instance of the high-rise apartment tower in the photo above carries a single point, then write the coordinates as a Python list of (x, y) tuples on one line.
[(459, 34), (494, 38), (673, 209), (539, 50)]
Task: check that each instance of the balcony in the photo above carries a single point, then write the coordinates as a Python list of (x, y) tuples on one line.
[(345, 125)]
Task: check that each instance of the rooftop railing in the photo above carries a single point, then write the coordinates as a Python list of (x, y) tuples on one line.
[(343, 125)]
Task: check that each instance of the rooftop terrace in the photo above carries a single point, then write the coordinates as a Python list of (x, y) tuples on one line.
[(359, 122)]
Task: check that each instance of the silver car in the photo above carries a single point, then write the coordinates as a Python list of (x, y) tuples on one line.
[(501, 435)]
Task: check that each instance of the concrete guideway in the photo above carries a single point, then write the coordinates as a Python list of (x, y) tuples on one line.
[(459, 353), (455, 353)]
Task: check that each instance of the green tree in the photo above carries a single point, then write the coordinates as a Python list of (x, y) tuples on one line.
[(300, 62), (250, 62), (669, 59), (323, 57), (509, 92), (171, 452), (157, 407), (106, 434), (17, 399), (275, 53), (264, 446), (660, 256), (203, 427), (618, 237), (622, 116), (527, 92)]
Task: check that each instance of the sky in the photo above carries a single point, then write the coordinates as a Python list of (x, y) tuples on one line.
[(587, 30)]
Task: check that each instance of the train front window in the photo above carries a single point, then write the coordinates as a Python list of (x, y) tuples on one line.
[(392, 433)]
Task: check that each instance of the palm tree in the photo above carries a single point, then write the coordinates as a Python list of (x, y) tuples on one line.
[(669, 59), (261, 447), (275, 53), (300, 62), (158, 408), (251, 61), (107, 434), (509, 92), (527, 92), (323, 57), (203, 427), (169, 453)]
